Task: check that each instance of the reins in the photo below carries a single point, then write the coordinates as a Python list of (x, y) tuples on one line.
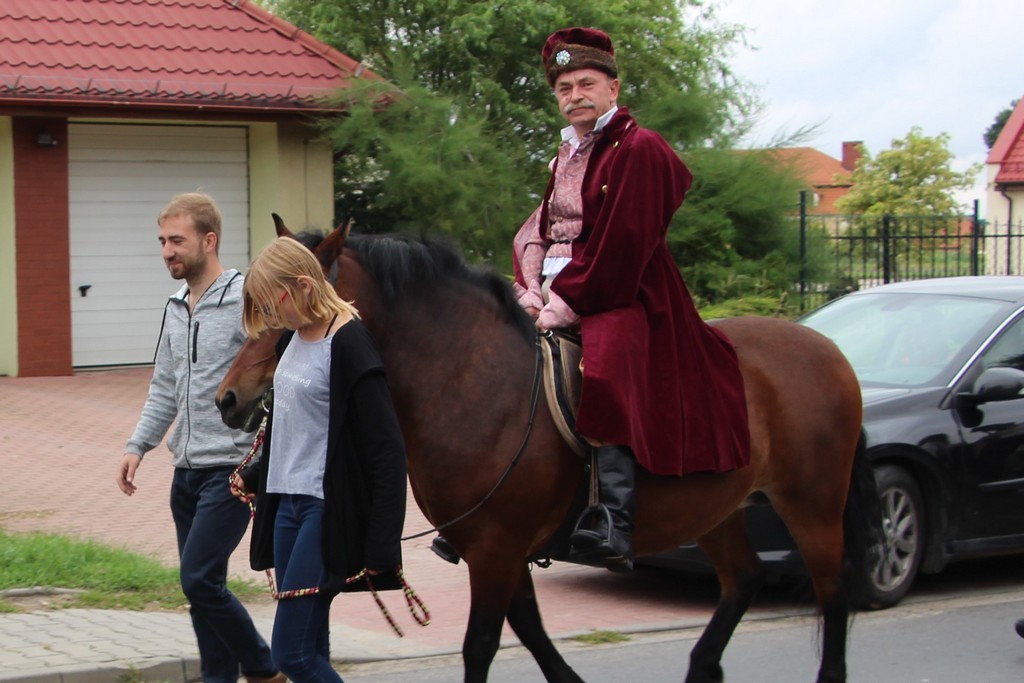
[(534, 396)]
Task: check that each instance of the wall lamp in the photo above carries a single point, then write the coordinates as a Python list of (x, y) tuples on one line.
[(46, 139)]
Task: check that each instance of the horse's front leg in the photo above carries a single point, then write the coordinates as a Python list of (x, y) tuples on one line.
[(493, 580), (524, 618)]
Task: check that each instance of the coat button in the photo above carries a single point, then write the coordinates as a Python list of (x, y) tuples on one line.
[(616, 144), (604, 189)]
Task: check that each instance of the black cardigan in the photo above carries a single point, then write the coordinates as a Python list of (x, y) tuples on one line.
[(365, 476)]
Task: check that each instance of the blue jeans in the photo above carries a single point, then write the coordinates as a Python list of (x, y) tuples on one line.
[(210, 522), (301, 641)]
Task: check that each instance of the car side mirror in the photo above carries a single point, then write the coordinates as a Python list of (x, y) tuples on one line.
[(994, 384)]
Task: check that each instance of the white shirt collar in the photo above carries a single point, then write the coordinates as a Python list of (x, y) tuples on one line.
[(569, 133)]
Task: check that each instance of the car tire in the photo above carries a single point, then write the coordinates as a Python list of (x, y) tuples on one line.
[(886, 580)]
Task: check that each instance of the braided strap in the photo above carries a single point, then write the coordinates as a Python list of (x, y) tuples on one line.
[(256, 443), (417, 608)]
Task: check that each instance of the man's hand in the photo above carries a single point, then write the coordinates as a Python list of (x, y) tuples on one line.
[(126, 473), (556, 315)]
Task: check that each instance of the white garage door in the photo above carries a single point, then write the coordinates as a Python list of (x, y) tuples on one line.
[(121, 176)]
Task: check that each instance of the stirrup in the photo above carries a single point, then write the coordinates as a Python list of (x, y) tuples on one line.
[(584, 539), (589, 546)]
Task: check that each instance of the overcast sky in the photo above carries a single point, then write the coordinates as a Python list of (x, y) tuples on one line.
[(871, 70)]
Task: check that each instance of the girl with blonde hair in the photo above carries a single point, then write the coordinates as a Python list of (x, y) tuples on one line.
[(331, 483)]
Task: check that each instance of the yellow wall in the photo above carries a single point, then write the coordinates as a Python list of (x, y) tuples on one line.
[(263, 184), (290, 174), (8, 294)]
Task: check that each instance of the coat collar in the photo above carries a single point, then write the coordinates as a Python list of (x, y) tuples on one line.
[(616, 129)]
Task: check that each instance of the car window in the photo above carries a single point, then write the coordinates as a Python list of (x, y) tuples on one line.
[(1008, 350), (903, 339)]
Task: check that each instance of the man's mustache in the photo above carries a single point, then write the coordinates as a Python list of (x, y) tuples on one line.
[(582, 104)]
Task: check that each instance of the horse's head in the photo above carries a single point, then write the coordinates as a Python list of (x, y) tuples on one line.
[(244, 395)]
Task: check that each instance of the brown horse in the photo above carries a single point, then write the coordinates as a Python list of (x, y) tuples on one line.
[(461, 358)]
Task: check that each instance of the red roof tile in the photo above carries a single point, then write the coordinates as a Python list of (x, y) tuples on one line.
[(1008, 151), (214, 54), (815, 168)]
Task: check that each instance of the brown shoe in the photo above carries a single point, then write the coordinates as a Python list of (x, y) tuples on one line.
[(276, 678)]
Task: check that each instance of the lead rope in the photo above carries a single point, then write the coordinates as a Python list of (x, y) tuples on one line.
[(417, 608)]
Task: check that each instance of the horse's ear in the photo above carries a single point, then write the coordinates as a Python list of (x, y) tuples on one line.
[(282, 229), (331, 247)]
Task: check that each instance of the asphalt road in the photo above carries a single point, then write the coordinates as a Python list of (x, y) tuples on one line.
[(954, 628)]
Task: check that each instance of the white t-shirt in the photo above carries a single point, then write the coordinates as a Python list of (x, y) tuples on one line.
[(302, 396)]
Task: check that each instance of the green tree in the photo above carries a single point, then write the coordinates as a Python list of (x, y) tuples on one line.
[(993, 131), (913, 177), (464, 147), (423, 164)]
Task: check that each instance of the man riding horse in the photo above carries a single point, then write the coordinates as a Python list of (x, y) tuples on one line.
[(660, 387)]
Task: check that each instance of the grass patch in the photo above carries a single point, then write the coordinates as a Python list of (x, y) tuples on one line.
[(110, 578), (601, 638)]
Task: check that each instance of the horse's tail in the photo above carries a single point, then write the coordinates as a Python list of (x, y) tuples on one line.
[(862, 529)]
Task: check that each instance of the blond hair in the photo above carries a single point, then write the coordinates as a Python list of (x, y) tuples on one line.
[(200, 207), (280, 265)]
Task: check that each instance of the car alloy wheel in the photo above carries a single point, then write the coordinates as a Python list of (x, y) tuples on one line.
[(902, 544)]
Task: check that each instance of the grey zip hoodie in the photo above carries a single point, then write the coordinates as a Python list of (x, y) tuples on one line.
[(193, 354)]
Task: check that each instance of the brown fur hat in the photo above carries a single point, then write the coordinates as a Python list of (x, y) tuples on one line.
[(578, 48)]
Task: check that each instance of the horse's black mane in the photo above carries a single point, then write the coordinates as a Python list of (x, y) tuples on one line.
[(404, 264), (309, 238)]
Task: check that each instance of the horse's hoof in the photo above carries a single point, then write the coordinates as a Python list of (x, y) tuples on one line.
[(443, 549), (1019, 627)]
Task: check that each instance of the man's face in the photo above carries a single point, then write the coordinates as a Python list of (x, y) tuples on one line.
[(183, 250), (584, 95)]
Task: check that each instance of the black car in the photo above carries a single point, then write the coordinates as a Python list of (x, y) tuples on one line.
[(941, 367)]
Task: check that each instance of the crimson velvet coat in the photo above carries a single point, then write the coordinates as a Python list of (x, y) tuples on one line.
[(655, 376)]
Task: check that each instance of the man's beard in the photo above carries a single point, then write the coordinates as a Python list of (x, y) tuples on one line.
[(187, 267)]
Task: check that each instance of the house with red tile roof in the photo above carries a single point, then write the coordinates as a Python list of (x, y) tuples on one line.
[(1005, 172), (826, 178), (108, 108)]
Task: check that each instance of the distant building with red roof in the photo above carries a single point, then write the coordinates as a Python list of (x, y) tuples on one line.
[(108, 108), (1005, 172), (825, 178)]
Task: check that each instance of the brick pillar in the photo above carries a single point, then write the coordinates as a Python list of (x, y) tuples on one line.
[(42, 245)]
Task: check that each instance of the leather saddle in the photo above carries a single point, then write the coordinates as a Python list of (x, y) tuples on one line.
[(563, 376)]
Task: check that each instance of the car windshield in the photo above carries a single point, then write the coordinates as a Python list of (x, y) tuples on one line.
[(906, 339)]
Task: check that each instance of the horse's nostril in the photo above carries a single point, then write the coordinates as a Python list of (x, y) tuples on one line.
[(227, 401)]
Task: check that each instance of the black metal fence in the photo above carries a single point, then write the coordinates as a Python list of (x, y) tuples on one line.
[(840, 254)]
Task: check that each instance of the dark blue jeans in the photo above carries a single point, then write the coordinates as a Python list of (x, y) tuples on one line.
[(301, 641), (210, 522)]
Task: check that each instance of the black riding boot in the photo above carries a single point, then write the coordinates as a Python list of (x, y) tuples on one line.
[(443, 549), (604, 532)]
